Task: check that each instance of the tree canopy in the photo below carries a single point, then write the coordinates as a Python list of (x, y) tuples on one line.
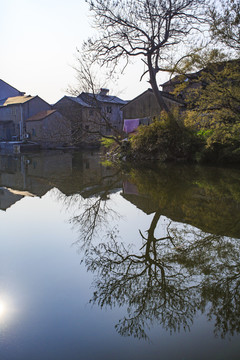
[(212, 95), (225, 23)]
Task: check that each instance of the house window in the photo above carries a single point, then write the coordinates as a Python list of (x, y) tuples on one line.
[(33, 132), (109, 109), (91, 112)]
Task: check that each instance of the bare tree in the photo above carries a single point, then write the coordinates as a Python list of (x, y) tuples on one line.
[(141, 28), (144, 280), (168, 280)]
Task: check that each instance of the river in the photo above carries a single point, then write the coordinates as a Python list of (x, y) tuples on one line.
[(102, 263)]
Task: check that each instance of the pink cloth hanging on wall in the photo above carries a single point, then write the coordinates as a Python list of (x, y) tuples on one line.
[(130, 125)]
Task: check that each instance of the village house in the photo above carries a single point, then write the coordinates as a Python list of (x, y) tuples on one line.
[(13, 114), (187, 86), (78, 113), (182, 91), (92, 115), (144, 107), (80, 120), (187, 82), (49, 129), (109, 107)]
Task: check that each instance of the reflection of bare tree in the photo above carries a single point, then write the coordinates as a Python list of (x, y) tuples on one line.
[(168, 280), (96, 215), (92, 209), (223, 294), (152, 288), (224, 298), (216, 258)]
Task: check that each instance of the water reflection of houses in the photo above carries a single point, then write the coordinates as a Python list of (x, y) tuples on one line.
[(8, 198), (141, 201), (38, 173)]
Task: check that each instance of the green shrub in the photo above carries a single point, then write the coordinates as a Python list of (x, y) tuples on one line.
[(107, 143), (165, 138)]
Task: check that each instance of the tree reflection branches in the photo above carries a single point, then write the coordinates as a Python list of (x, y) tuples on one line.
[(224, 299), (165, 279), (148, 283), (168, 280), (223, 294), (92, 211), (96, 215), (216, 259)]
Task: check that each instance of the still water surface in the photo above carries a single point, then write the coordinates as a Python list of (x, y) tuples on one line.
[(98, 263)]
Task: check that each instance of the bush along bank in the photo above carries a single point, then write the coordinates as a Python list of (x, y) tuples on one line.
[(164, 139), (170, 140)]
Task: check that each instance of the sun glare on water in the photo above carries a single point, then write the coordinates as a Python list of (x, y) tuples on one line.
[(3, 309), (7, 312)]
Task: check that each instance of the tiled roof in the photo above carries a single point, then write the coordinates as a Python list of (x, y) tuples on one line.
[(101, 98), (171, 97), (163, 93), (78, 101), (218, 66), (15, 100), (178, 79), (41, 115)]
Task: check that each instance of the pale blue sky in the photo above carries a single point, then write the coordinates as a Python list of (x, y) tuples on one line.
[(38, 43)]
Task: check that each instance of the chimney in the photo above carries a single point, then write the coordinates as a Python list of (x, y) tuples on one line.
[(103, 91)]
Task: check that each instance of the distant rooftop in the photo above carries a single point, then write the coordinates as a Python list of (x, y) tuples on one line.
[(41, 115), (217, 66), (102, 97), (163, 93), (16, 100), (78, 100)]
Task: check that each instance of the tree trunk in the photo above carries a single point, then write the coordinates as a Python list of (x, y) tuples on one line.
[(163, 106)]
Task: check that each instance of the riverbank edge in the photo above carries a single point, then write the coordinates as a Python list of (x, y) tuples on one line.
[(120, 154)]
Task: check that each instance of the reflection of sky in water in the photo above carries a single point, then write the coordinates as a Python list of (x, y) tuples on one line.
[(6, 310), (44, 307), (41, 270)]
